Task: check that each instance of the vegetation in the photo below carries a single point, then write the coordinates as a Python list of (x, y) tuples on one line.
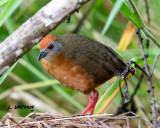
[(29, 84)]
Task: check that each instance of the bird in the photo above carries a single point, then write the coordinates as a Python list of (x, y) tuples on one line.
[(80, 63)]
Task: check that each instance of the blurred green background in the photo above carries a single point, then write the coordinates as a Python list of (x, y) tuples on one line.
[(48, 96)]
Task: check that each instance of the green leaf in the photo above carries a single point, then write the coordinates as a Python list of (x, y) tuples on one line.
[(10, 25), (2, 2), (112, 15), (8, 10), (3, 77), (133, 15), (140, 62), (126, 11)]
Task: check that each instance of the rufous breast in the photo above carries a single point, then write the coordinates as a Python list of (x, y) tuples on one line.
[(68, 73)]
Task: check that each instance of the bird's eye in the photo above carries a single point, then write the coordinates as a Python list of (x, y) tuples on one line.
[(51, 46)]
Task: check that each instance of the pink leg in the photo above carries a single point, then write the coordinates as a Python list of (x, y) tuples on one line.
[(95, 96), (90, 105)]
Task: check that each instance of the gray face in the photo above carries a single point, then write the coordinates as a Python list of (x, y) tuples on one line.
[(53, 48)]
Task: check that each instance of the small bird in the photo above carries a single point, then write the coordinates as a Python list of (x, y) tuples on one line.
[(80, 63)]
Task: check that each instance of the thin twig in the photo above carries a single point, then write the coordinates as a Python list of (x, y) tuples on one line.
[(85, 14), (145, 114), (15, 122), (147, 10), (150, 86), (154, 64), (137, 87), (137, 66), (124, 106)]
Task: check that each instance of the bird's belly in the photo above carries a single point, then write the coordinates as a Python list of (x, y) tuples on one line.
[(70, 74)]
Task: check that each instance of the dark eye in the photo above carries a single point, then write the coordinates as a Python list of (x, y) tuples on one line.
[(51, 46)]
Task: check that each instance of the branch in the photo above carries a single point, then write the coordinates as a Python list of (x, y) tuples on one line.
[(85, 14), (147, 11), (142, 26), (154, 64), (149, 79), (137, 66), (30, 33)]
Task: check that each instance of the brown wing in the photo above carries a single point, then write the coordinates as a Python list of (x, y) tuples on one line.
[(99, 61)]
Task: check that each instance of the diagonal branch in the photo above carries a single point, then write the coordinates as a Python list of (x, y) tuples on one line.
[(137, 66), (154, 64), (149, 79), (30, 33), (85, 14)]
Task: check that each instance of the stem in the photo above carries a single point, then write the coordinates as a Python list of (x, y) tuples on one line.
[(154, 64), (134, 9), (143, 28), (85, 14), (150, 37), (149, 79)]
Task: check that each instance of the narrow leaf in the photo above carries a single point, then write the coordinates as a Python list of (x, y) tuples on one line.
[(2, 2), (135, 18), (8, 10), (3, 77), (127, 12), (113, 13)]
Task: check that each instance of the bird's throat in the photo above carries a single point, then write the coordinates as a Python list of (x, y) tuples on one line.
[(56, 58)]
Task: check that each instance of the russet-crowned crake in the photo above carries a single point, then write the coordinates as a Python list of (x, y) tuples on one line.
[(80, 63)]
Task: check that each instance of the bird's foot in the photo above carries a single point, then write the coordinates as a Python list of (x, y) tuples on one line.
[(95, 98), (123, 75), (90, 105)]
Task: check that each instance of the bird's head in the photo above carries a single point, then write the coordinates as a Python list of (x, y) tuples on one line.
[(49, 46)]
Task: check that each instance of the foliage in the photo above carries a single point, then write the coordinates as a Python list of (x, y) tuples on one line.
[(14, 14)]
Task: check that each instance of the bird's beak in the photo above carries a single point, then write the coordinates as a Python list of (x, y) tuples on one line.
[(41, 55)]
